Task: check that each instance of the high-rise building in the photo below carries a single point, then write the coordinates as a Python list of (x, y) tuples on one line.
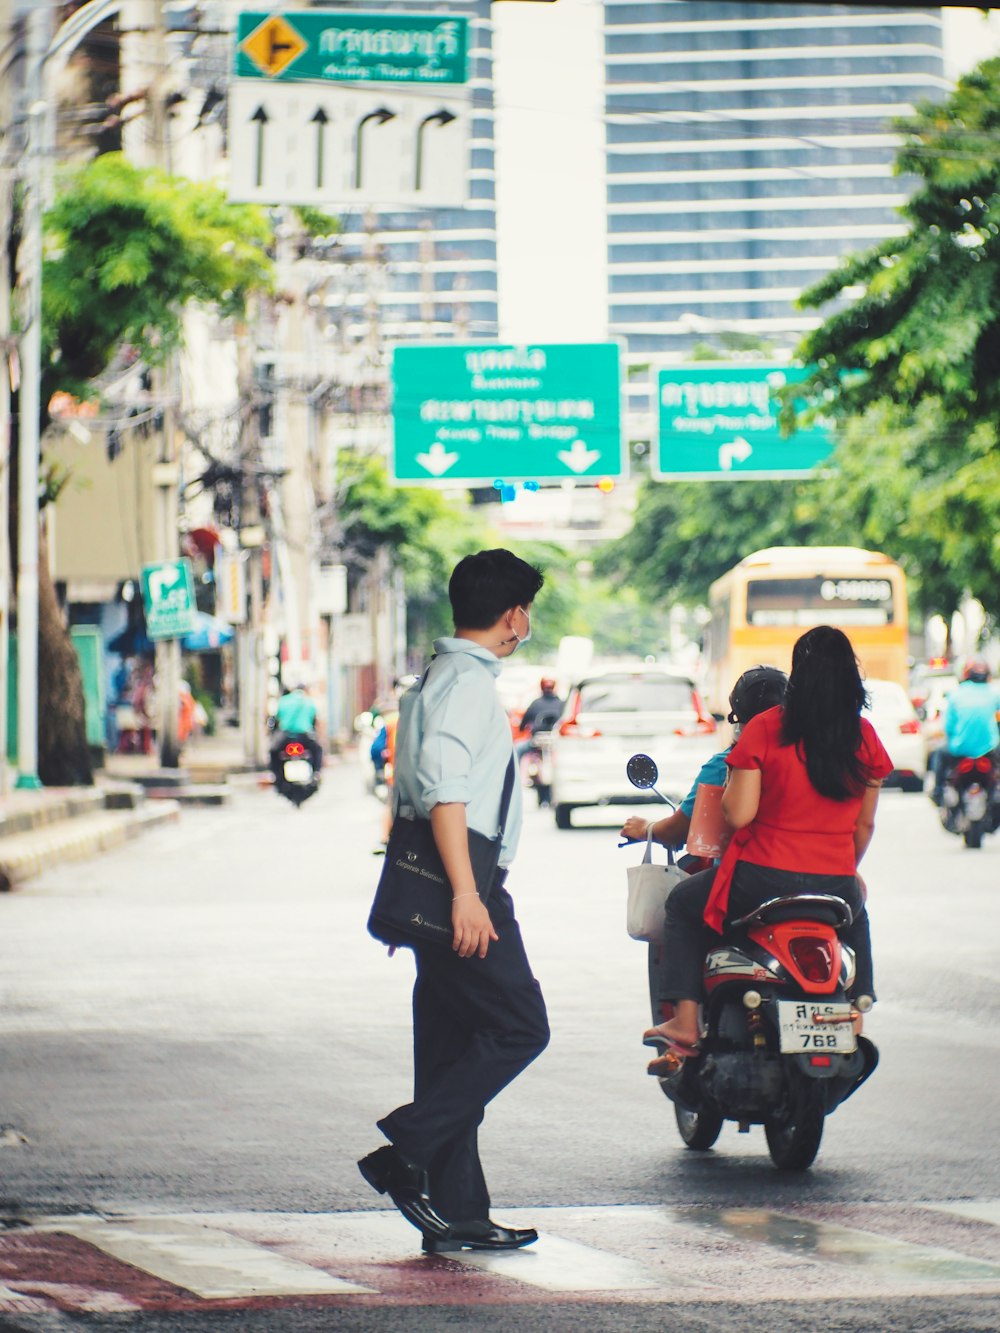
[(749, 147), (432, 273)]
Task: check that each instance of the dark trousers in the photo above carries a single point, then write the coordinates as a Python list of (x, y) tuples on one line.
[(477, 1023), (687, 939)]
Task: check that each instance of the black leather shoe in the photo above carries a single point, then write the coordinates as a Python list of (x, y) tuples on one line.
[(406, 1185), (487, 1235)]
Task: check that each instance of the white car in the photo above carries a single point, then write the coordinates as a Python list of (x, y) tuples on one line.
[(607, 718), (895, 719)]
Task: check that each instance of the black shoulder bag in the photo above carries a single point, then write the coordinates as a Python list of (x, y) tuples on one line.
[(413, 900)]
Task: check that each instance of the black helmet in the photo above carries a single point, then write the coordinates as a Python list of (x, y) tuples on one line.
[(759, 688), (977, 669)]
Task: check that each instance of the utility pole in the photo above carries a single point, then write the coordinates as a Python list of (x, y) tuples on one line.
[(42, 60), (166, 470), (6, 168), (29, 402)]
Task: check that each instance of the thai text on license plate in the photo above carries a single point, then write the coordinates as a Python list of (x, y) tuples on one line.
[(298, 770), (806, 1026)]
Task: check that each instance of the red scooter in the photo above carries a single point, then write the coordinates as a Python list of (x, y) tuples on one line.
[(779, 1047)]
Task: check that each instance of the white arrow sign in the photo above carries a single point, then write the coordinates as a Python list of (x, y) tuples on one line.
[(578, 458), (343, 145), (437, 460), (737, 451)]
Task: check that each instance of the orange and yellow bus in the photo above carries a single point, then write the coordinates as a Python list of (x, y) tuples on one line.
[(763, 604)]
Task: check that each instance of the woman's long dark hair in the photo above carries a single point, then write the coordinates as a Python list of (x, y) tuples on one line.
[(822, 712)]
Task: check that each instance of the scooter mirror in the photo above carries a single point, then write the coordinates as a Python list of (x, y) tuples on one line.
[(642, 771)]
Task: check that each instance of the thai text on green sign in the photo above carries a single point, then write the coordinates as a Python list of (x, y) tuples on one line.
[(168, 599), (496, 412), (354, 47), (720, 421)]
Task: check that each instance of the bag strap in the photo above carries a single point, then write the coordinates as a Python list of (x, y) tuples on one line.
[(508, 791), (647, 858)]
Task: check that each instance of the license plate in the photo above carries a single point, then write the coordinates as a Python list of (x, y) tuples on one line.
[(805, 1026), (975, 804), (298, 770)]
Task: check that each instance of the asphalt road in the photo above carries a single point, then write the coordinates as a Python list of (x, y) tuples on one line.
[(197, 1023)]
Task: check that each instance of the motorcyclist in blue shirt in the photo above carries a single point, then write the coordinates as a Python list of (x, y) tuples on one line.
[(296, 716), (970, 722)]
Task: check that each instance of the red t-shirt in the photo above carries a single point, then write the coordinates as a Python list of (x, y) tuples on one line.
[(795, 828)]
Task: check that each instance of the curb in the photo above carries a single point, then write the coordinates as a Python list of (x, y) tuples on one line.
[(25, 855)]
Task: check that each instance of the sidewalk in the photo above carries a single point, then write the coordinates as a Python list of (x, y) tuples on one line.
[(204, 760), (131, 794)]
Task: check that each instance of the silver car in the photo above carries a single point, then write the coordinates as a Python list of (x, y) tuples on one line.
[(609, 717)]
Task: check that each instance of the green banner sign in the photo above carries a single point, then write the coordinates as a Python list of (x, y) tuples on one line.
[(168, 599), (345, 46), (720, 422), (480, 413)]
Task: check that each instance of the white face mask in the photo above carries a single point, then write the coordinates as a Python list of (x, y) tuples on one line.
[(515, 637)]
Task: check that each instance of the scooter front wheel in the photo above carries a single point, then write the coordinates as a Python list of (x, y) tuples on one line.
[(698, 1129)]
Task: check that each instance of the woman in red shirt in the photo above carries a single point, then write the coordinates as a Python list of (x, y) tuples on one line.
[(801, 797)]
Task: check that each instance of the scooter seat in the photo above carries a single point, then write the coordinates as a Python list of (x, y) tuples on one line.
[(821, 907)]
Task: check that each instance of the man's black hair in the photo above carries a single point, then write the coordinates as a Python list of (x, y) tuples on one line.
[(485, 585)]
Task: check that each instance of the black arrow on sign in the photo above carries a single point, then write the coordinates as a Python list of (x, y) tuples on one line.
[(320, 120), (380, 117), (442, 117), (259, 118)]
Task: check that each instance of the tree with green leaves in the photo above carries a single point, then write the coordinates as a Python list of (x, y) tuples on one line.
[(126, 251), (911, 362)]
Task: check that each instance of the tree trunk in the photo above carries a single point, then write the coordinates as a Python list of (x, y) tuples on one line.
[(63, 753)]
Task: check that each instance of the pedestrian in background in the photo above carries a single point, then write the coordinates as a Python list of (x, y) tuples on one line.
[(478, 1014)]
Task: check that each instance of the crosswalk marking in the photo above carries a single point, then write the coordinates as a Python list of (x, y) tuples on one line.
[(212, 1264), (640, 1252), (564, 1265), (979, 1210), (833, 1243)]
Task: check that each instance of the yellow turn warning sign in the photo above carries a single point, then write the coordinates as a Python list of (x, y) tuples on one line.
[(274, 45)]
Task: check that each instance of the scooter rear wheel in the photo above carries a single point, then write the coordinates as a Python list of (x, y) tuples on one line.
[(793, 1142), (698, 1129)]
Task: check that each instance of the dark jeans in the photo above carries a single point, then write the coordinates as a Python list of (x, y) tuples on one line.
[(687, 938), (477, 1023)]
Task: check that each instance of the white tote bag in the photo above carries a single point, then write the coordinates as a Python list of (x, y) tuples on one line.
[(649, 886)]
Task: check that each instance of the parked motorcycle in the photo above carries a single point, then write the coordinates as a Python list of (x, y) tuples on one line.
[(779, 1047), (295, 776), (970, 799)]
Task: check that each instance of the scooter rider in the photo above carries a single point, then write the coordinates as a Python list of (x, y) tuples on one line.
[(970, 722), (759, 688), (295, 716), (541, 714)]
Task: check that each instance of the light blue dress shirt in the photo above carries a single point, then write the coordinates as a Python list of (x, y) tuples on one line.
[(454, 743)]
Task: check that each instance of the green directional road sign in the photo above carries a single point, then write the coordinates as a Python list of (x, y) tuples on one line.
[(720, 422), (353, 47), (168, 599), (473, 414)]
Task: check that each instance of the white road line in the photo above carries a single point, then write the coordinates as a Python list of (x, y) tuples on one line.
[(833, 1243), (643, 1248), (554, 1263), (212, 1264), (564, 1265), (979, 1210)]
